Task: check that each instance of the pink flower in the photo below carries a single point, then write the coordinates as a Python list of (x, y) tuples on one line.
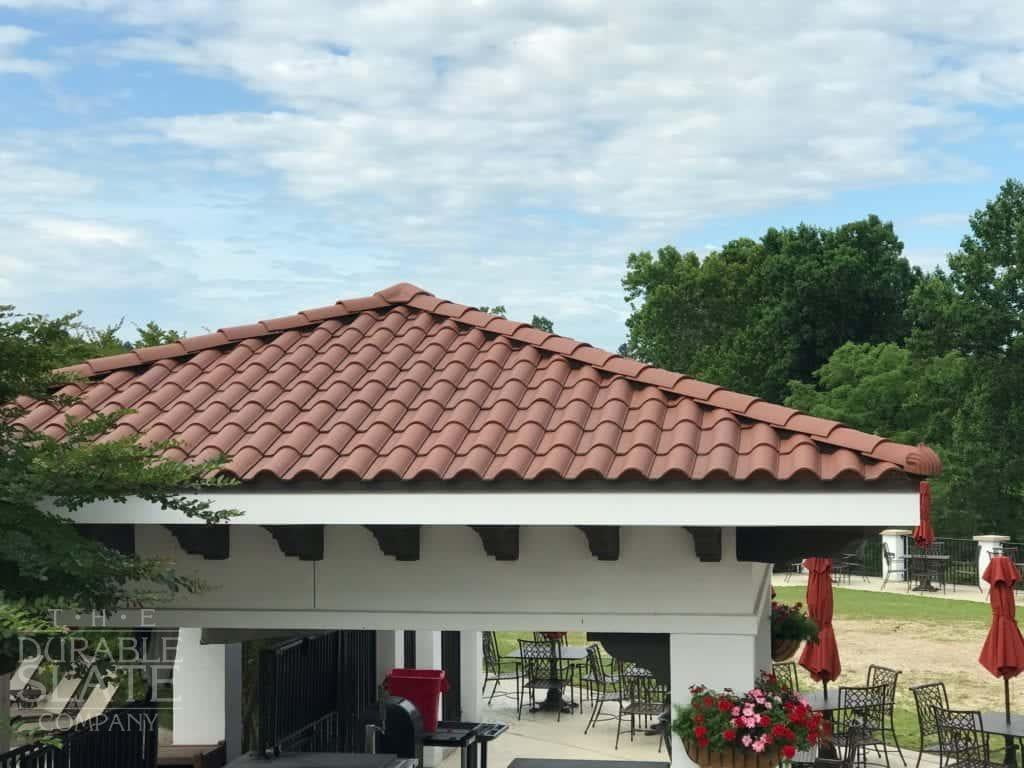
[(735, 711), (757, 746), (767, 705), (746, 740)]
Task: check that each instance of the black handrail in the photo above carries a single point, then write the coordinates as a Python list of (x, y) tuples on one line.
[(123, 737)]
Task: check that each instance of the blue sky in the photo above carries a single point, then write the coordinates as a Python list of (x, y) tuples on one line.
[(206, 163)]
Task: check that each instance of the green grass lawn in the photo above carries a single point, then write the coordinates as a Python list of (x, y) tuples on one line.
[(865, 604)]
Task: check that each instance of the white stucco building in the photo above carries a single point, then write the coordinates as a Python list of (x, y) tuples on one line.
[(411, 464)]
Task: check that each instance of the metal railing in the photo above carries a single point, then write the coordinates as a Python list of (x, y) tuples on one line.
[(125, 737), (962, 566), (313, 692)]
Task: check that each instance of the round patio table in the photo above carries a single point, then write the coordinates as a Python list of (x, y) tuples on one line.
[(571, 653), (925, 584), (995, 723)]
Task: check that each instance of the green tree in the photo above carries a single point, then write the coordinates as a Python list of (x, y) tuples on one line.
[(44, 562), (756, 314), (958, 383), (542, 323), (882, 388), (538, 321), (977, 308), (152, 335)]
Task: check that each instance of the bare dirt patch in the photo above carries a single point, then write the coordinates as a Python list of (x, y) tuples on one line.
[(925, 652)]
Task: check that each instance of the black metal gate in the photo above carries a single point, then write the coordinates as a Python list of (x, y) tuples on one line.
[(314, 690), (451, 652), (357, 685)]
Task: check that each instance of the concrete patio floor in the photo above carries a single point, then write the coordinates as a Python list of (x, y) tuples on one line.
[(541, 736)]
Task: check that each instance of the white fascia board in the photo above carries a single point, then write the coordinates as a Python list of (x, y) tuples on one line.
[(695, 508), (689, 623)]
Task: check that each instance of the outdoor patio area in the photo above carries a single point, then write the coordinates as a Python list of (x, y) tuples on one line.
[(540, 736)]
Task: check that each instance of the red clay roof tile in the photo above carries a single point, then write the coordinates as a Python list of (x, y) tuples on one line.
[(403, 385)]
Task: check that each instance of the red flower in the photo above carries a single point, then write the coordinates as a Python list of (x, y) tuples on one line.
[(724, 705), (698, 719), (702, 742), (788, 751), (708, 701), (729, 735), (765, 721), (700, 732), (779, 731)]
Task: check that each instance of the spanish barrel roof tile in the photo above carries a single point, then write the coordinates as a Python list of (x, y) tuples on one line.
[(404, 385)]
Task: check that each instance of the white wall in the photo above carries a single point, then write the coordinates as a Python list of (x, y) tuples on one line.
[(657, 584), (199, 692)]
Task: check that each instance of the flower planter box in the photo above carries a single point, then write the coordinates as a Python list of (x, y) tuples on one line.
[(731, 758)]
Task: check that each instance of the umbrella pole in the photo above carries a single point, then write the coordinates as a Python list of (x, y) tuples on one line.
[(824, 683), (1006, 697)]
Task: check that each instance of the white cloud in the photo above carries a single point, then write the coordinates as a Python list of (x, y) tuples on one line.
[(515, 152), (84, 232), (943, 219), (11, 39)]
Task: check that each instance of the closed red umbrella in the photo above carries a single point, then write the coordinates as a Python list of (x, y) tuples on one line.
[(924, 535), (1003, 651), (821, 659)]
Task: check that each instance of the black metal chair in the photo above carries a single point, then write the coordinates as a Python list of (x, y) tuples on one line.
[(785, 673), (860, 721), (644, 699), (879, 675), (495, 668), (855, 563), (602, 688), (895, 565), (539, 671), (561, 638), (927, 698), (962, 738)]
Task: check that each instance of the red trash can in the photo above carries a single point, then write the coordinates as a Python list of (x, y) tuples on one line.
[(423, 687)]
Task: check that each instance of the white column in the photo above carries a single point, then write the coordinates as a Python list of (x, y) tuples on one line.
[(717, 661), (198, 690), (987, 545), (471, 665), (763, 641), (390, 652), (895, 539), (428, 656)]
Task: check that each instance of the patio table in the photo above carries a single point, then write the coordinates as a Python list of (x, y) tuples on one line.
[(557, 653), (995, 723), (925, 584), (827, 706), (819, 703)]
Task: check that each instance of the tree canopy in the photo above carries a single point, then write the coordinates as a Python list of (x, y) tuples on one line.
[(835, 322), (757, 313), (44, 562)]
